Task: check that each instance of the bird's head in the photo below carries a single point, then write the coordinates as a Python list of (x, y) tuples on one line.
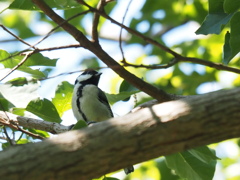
[(88, 77)]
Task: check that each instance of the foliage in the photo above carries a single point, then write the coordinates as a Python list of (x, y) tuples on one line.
[(165, 21)]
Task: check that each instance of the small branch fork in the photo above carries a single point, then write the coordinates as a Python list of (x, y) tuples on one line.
[(177, 57), (7, 121), (13, 121)]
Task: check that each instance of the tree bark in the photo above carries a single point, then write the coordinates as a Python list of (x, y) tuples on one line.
[(108, 146)]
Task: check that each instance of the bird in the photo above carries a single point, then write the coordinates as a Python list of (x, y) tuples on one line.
[(89, 102)]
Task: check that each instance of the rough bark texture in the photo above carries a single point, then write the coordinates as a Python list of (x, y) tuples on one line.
[(111, 145)]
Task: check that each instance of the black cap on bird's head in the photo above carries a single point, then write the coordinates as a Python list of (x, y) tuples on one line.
[(88, 77)]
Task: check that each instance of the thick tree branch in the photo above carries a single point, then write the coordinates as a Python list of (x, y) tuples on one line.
[(156, 93), (159, 130)]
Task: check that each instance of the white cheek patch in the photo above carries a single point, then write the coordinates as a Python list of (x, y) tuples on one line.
[(84, 77)]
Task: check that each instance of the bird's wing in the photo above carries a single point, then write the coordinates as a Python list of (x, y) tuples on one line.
[(102, 98)]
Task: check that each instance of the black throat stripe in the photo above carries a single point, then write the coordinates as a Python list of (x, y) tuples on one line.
[(79, 94)]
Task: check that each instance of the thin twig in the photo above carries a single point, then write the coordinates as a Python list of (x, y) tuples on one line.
[(120, 35), (147, 39), (96, 18), (157, 66), (186, 59), (59, 25), (164, 48), (19, 64), (218, 66), (11, 142), (7, 122), (18, 38), (29, 133), (45, 37)]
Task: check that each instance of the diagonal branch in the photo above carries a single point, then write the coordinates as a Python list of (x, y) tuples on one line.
[(145, 38), (18, 38), (156, 93), (177, 56)]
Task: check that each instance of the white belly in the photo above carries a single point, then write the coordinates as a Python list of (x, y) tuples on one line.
[(93, 109)]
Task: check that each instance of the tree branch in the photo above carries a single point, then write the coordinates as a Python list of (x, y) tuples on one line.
[(156, 93), (12, 120), (96, 18), (177, 56), (105, 147)]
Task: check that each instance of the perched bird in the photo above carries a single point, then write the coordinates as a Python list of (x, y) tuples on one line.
[(89, 103)]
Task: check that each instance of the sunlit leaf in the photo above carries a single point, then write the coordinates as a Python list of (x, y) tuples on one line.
[(39, 132), (18, 111), (63, 97), (80, 124), (44, 109), (23, 141), (35, 60)]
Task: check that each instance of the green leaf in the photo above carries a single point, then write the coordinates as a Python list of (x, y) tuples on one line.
[(5, 145), (80, 124), (39, 132), (126, 86), (58, 4), (112, 98), (231, 6), (34, 60), (215, 6), (216, 18), (63, 97), (235, 35), (227, 53), (18, 111), (214, 23), (204, 154), (44, 109), (39, 60), (23, 141), (193, 164), (20, 81), (5, 105), (24, 5), (20, 96)]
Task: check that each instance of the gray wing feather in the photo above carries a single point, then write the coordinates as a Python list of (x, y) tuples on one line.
[(103, 99)]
